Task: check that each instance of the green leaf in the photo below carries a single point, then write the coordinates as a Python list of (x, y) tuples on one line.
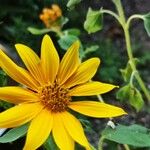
[(14, 134), (123, 93), (126, 72), (72, 3), (50, 144), (134, 135), (147, 23), (132, 95), (66, 41), (39, 31), (73, 31), (135, 99), (86, 124), (91, 49), (88, 50), (94, 21), (3, 78)]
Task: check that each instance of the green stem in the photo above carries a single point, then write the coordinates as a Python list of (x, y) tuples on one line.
[(130, 55), (99, 97), (141, 83), (135, 16), (120, 11), (125, 26), (126, 147), (58, 31), (100, 143), (132, 77), (110, 13)]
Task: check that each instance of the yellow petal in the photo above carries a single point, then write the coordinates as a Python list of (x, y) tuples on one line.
[(96, 109), (61, 136), (19, 114), (69, 63), (84, 73), (75, 129), (31, 60), (17, 73), (17, 95), (91, 88), (49, 59), (39, 130)]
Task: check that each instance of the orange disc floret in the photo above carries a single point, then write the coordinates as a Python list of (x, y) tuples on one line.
[(44, 100)]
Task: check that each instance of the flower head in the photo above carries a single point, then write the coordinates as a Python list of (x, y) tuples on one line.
[(45, 99), (50, 16)]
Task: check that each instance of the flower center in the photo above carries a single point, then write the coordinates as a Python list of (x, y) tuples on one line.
[(54, 97)]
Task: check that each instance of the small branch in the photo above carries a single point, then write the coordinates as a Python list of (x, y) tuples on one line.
[(125, 26), (136, 16), (110, 13), (132, 77), (99, 97), (120, 10), (130, 55)]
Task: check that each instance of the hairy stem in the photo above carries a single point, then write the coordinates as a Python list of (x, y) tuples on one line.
[(100, 143), (125, 26), (130, 55)]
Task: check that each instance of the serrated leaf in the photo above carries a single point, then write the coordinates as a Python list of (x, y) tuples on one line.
[(132, 95), (94, 21), (135, 99), (147, 23), (123, 93), (39, 31), (14, 134), (72, 3), (134, 135), (127, 71)]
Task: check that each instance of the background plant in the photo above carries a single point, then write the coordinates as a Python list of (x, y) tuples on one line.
[(16, 22)]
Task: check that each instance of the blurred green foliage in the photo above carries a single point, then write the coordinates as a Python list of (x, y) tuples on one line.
[(17, 16), (3, 82)]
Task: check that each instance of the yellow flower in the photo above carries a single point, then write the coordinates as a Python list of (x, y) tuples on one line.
[(45, 99)]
